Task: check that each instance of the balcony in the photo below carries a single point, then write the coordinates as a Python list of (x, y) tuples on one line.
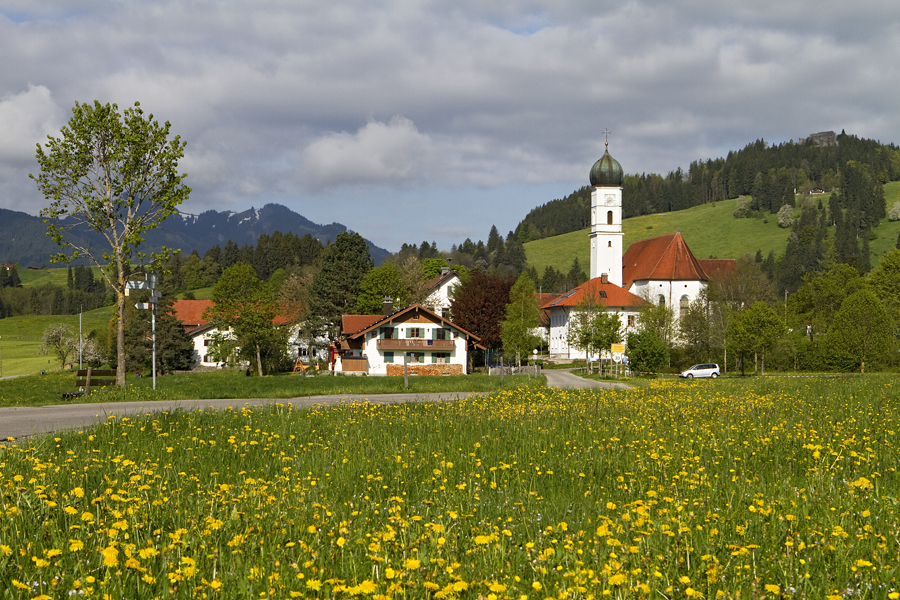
[(415, 344)]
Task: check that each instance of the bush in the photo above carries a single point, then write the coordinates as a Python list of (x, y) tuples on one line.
[(894, 214), (786, 216), (743, 208)]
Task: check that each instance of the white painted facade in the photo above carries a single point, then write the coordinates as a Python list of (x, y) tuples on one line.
[(677, 295), (606, 233), (559, 331), (440, 297)]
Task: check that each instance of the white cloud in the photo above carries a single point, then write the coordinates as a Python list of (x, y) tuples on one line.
[(26, 119), (395, 152)]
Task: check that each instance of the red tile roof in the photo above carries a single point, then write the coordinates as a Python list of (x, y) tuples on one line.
[(350, 324), (355, 325), (666, 258), (190, 312), (716, 266), (608, 294)]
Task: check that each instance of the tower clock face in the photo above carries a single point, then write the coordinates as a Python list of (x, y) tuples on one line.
[(610, 198)]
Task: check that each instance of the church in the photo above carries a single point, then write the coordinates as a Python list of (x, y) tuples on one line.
[(660, 270)]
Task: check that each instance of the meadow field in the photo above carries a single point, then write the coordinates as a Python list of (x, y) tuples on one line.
[(710, 230), (763, 488)]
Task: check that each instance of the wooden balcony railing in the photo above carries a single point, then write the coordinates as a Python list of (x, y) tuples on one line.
[(415, 344)]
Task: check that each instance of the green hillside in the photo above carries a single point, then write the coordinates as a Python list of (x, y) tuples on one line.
[(20, 338), (53, 275), (710, 230)]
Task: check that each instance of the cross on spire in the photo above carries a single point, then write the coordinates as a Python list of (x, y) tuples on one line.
[(606, 133)]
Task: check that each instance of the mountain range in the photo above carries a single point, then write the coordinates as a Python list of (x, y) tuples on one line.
[(23, 237)]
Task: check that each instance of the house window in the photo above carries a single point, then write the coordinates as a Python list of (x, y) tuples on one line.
[(442, 334), (207, 343), (388, 357), (440, 357), (387, 333), (631, 320), (417, 357), (413, 332)]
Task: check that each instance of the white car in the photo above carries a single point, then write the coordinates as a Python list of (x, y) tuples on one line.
[(704, 370)]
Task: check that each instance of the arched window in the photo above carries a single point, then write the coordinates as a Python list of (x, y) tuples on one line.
[(661, 300), (685, 302), (609, 218)]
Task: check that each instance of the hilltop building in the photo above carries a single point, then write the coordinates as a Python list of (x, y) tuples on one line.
[(660, 270)]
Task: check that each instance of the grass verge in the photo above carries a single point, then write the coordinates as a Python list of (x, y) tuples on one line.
[(41, 390)]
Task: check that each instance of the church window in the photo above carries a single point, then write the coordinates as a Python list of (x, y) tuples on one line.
[(609, 218), (661, 300), (685, 301)]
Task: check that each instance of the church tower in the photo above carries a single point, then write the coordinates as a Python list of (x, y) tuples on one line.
[(606, 218)]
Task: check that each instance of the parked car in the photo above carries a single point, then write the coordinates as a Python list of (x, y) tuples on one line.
[(704, 370)]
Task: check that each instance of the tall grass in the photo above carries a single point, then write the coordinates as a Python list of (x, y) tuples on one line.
[(763, 489)]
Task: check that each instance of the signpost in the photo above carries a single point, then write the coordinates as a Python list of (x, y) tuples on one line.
[(149, 284), (618, 353)]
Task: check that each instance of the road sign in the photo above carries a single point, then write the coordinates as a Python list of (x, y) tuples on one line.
[(617, 348), (142, 305), (137, 285), (617, 356)]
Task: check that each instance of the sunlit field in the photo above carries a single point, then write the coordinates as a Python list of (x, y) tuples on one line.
[(754, 489)]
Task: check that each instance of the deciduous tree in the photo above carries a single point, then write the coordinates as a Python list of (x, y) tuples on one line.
[(116, 175), (522, 317), (862, 332), (247, 305), (382, 282), (479, 306)]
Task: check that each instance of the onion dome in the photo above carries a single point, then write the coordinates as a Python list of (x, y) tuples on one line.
[(607, 172)]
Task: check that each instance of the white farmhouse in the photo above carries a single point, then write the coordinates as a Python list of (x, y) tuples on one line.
[(379, 344)]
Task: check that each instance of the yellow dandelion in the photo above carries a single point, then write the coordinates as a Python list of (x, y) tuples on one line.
[(412, 564), (773, 589), (617, 579)]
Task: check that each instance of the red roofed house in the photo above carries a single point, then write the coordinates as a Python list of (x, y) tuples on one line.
[(190, 313), (661, 270), (376, 344)]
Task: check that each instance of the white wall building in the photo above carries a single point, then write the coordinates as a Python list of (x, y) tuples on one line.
[(378, 344)]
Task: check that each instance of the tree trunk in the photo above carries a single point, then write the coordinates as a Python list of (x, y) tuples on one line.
[(120, 339), (259, 361)]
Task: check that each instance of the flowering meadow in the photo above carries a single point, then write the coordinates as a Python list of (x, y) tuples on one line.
[(768, 488)]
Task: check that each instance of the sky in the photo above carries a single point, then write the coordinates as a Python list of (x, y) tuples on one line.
[(433, 120)]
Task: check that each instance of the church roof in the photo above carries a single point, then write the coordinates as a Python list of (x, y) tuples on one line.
[(608, 294), (665, 258), (607, 172), (714, 266)]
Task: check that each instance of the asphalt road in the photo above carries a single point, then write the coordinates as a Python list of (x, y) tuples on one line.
[(22, 422)]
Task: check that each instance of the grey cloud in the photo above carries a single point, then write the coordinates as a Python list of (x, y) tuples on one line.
[(296, 102)]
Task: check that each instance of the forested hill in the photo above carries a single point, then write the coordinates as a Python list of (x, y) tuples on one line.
[(769, 173)]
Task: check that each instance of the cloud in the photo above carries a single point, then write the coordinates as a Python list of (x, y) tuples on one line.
[(26, 119), (317, 104), (395, 152)]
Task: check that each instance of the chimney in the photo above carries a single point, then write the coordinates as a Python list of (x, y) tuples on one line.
[(387, 305), (604, 278)]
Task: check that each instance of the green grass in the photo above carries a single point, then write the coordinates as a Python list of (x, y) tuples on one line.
[(710, 230), (731, 489), (20, 338), (40, 390), (50, 275)]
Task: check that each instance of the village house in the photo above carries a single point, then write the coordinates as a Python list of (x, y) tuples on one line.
[(428, 343)]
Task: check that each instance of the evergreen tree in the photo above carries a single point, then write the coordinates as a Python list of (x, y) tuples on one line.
[(335, 286), (576, 275)]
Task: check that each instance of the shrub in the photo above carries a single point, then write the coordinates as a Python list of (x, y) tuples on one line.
[(786, 216), (894, 215)]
